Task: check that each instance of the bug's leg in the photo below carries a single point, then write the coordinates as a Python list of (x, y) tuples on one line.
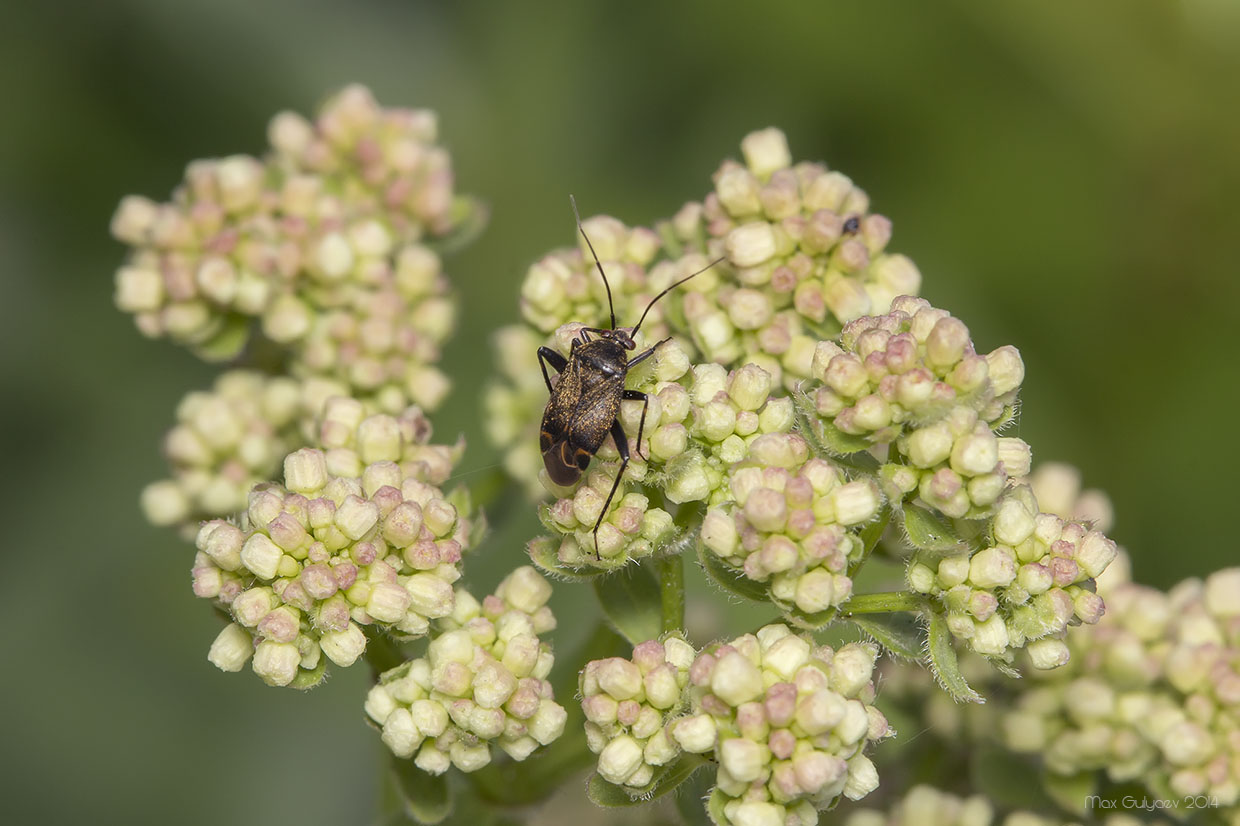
[(548, 356), (638, 396), (645, 354), (622, 444)]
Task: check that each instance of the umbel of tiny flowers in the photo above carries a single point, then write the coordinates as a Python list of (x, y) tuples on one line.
[(912, 380), (225, 441), (483, 680), (344, 543), (331, 218), (787, 721), (802, 255), (1152, 694), (1034, 576), (628, 705), (804, 252)]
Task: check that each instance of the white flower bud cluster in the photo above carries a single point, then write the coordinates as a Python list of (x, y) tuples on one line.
[(483, 680), (380, 338), (1152, 694), (628, 704), (336, 210), (565, 286), (793, 523), (631, 529), (801, 237), (925, 805), (786, 721), (317, 559), (225, 441), (1026, 588), (911, 378)]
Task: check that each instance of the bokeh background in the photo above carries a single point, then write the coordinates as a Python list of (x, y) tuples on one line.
[(1065, 175)]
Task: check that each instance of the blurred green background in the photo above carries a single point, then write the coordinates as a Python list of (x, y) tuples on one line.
[(1065, 175)]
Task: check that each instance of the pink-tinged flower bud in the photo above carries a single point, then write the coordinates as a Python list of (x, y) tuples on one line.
[(439, 517), (620, 678), (600, 709), (1095, 553), (280, 625), (815, 770), (766, 510), (750, 245), (695, 734), (846, 375), (525, 589), (493, 685), (1015, 456), (947, 343), (678, 653)]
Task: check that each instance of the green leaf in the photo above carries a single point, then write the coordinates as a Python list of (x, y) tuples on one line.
[(543, 551), (729, 578), (840, 443), (943, 661), (901, 634), (1071, 791), (665, 780), (424, 797), (632, 603), (930, 532)]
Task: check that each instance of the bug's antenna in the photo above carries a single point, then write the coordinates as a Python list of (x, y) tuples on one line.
[(610, 307), (668, 290)]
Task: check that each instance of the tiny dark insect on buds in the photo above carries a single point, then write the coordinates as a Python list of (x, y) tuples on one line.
[(585, 403)]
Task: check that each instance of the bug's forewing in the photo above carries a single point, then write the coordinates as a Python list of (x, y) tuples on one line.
[(576, 421)]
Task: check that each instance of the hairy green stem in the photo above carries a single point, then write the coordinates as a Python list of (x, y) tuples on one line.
[(672, 590), (885, 602)]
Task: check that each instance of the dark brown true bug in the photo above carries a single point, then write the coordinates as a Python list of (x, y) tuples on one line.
[(585, 402)]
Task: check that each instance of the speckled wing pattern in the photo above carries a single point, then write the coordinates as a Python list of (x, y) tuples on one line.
[(582, 408)]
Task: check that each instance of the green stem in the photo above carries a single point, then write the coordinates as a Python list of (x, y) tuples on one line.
[(672, 590), (885, 602)]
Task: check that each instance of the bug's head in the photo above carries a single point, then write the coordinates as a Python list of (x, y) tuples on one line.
[(622, 336)]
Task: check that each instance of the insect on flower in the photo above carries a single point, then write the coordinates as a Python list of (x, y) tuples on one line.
[(584, 403)]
